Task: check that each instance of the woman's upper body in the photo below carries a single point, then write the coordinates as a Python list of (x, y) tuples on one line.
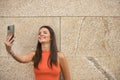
[(45, 72), (48, 62)]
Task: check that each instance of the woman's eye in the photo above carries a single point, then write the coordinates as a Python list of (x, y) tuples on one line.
[(45, 32)]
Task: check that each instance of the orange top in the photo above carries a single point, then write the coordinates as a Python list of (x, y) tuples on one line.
[(44, 72)]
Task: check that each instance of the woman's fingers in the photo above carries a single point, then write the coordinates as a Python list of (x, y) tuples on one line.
[(9, 40), (10, 37), (12, 40), (7, 37)]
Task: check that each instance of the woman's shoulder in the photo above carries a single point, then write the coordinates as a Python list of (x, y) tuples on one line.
[(61, 55), (62, 59)]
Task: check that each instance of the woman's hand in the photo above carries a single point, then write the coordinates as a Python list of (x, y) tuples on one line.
[(9, 42), (20, 58)]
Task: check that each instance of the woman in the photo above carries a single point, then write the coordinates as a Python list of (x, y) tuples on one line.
[(48, 62)]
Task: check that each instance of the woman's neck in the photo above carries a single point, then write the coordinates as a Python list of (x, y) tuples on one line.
[(46, 47)]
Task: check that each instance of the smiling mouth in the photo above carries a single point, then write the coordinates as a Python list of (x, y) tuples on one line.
[(42, 38)]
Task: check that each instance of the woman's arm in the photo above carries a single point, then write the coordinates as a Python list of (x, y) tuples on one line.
[(64, 66), (21, 58)]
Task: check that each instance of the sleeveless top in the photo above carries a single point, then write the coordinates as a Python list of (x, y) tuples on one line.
[(44, 72)]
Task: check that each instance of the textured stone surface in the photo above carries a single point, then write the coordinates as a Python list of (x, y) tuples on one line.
[(90, 36), (92, 46), (105, 71), (12, 70), (59, 8), (82, 69), (108, 66)]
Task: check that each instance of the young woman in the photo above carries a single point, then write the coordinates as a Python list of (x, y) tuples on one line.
[(48, 61)]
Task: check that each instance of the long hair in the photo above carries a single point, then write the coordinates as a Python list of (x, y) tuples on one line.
[(53, 50)]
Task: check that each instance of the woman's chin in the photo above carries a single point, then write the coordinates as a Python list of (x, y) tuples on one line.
[(44, 41), (41, 41)]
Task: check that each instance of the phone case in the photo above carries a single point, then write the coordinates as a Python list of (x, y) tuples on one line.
[(10, 29)]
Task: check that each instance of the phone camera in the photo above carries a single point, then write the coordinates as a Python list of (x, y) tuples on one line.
[(8, 28)]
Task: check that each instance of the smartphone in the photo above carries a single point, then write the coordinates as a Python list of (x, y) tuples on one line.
[(11, 30)]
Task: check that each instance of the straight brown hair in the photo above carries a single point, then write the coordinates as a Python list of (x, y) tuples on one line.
[(53, 50)]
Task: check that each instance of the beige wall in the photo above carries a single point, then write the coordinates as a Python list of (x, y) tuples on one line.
[(87, 31)]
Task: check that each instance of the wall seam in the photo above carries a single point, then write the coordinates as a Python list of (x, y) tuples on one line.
[(51, 16)]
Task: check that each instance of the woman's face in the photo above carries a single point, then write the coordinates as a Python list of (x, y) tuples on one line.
[(44, 35)]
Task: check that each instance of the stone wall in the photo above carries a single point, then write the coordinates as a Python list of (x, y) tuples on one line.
[(87, 31)]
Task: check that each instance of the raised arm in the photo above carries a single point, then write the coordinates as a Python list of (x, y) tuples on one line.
[(23, 58), (19, 57), (64, 66)]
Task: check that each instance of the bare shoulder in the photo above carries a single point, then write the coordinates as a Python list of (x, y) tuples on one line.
[(61, 58), (64, 66), (61, 55)]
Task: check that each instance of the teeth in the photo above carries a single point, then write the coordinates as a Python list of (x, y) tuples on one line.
[(42, 38)]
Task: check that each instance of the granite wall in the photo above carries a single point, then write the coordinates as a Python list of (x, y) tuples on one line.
[(87, 31)]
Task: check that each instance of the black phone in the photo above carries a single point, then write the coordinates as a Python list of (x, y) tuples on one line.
[(11, 30)]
